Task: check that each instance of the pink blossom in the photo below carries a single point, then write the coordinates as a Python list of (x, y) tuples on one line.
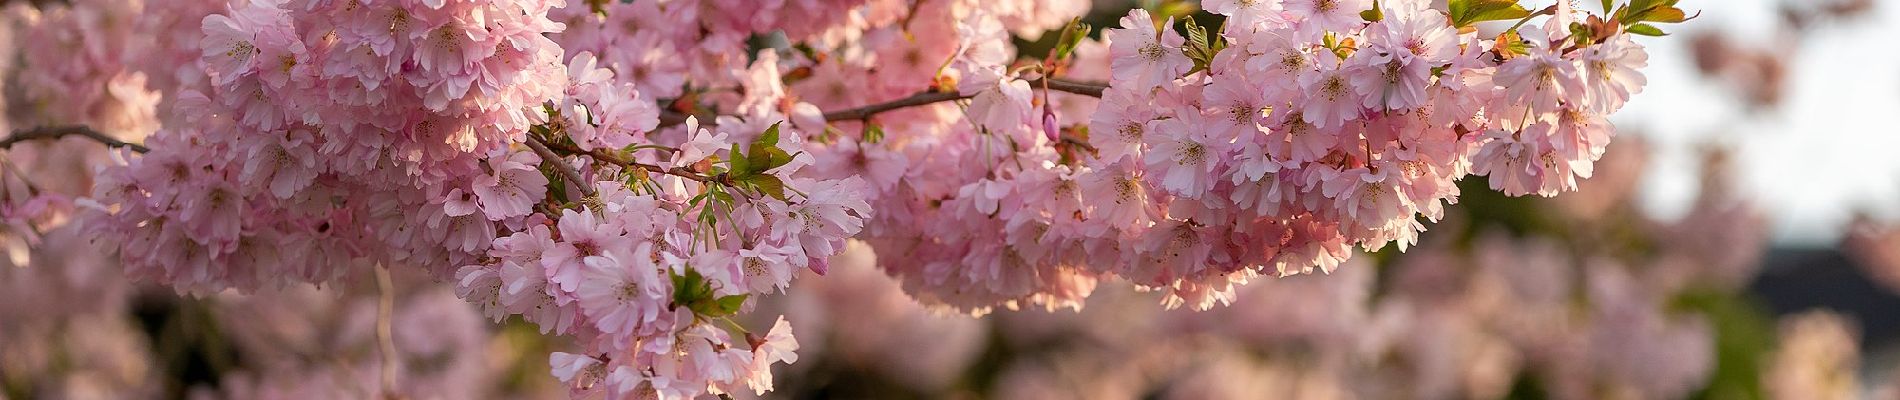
[(513, 188), (623, 295), (1611, 73), (1510, 161), (1184, 156), (1143, 55), (1330, 98)]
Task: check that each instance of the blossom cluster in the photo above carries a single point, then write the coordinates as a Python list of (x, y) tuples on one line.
[(636, 174), (1552, 310), (332, 137), (1273, 146)]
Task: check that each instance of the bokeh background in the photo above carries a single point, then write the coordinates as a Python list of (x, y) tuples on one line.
[(1741, 240)]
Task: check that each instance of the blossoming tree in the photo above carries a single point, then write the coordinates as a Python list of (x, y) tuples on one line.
[(634, 174)]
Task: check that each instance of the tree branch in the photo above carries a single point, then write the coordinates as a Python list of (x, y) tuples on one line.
[(1091, 89), (611, 158), (864, 113), (932, 96), (561, 166), (61, 131), (385, 338)]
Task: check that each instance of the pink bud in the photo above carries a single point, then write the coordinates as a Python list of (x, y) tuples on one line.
[(1049, 125)]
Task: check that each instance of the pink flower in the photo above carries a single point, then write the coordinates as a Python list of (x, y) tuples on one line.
[(623, 295), (700, 145), (1003, 107), (1611, 73), (1370, 196), (1295, 140), (212, 212), (1278, 60), (1246, 13), (1144, 56), (232, 43), (1393, 71), (830, 212), (583, 235), (1184, 155), (1234, 108), (280, 164), (455, 43), (1508, 160), (481, 284), (1121, 124), (513, 188), (1121, 202), (526, 292), (619, 119), (582, 374), (1561, 161), (778, 345), (1330, 98), (1316, 17), (1541, 79)]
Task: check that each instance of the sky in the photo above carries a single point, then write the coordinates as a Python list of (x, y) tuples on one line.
[(1828, 151)]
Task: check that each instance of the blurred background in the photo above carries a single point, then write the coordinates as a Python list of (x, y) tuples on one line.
[(1741, 240)]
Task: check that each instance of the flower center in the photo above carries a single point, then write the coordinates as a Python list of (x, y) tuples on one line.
[(1151, 52), (754, 267), (242, 51), (629, 291), (1192, 153), (1334, 88), (1131, 132)]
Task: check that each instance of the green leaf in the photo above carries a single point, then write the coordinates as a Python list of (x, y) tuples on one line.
[(1644, 5), (873, 133), (740, 166), (767, 139), (1373, 15), (1200, 48), (1645, 30), (1665, 15), (768, 184), (765, 154), (1606, 6), (1580, 33), (1072, 36), (1467, 12), (689, 286), (729, 305)]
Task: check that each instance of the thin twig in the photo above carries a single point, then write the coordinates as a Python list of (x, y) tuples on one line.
[(932, 96), (1090, 89), (56, 132), (670, 118), (385, 339), (864, 113), (560, 165), (611, 158)]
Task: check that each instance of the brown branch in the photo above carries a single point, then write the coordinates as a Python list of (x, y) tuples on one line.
[(1090, 89), (932, 96), (561, 166), (57, 132), (864, 113), (615, 159), (670, 118), (385, 337)]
